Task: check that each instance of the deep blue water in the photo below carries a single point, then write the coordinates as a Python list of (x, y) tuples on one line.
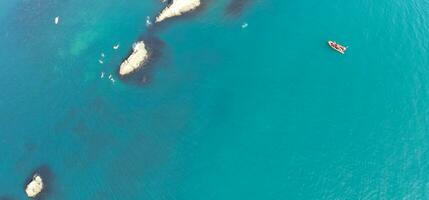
[(265, 112)]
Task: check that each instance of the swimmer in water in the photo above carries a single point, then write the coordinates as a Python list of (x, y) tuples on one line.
[(116, 46), (100, 61), (102, 75)]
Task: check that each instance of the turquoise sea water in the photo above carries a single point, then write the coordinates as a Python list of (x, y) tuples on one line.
[(266, 112)]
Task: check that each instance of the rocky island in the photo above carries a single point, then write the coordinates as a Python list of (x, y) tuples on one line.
[(135, 60), (35, 186), (177, 8)]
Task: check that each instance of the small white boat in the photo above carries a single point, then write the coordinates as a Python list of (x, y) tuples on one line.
[(337, 47), (148, 22), (116, 46), (100, 61), (57, 20)]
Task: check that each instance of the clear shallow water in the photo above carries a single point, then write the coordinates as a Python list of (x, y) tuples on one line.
[(266, 112)]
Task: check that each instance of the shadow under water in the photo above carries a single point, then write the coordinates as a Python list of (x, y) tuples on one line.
[(5, 198)]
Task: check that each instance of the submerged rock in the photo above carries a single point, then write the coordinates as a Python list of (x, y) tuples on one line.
[(135, 60), (236, 7), (177, 8), (35, 186)]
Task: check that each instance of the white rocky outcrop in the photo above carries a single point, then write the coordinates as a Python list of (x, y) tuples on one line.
[(177, 8), (135, 60), (35, 186)]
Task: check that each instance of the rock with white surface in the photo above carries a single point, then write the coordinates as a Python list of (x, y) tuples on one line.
[(137, 58), (177, 8), (35, 186)]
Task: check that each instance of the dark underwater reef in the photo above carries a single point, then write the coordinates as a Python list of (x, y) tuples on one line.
[(237, 7)]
